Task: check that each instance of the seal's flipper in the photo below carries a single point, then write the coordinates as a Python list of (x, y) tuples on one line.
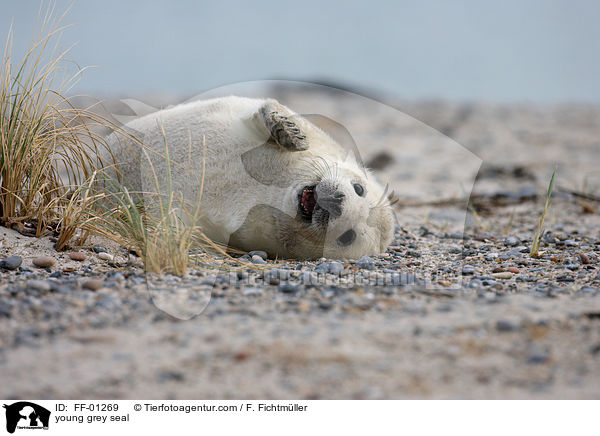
[(284, 130)]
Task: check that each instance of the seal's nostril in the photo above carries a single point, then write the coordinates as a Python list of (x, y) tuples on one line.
[(331, 204), (339, 196)]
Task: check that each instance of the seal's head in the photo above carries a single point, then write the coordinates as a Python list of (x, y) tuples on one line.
[(345, 211)]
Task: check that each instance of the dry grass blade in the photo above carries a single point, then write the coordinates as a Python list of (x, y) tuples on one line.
[(537, 238)]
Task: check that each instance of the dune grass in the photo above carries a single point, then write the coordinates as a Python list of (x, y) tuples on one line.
[(47, 148)]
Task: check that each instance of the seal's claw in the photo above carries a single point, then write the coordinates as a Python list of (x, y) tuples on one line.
[(284, 131)]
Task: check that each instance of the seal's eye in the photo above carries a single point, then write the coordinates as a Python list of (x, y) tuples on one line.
[(359, 189), (347, 238)]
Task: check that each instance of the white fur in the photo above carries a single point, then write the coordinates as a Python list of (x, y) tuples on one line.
[(226, 128)]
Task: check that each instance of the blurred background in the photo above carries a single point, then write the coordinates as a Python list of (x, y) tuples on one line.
[(540, 51)]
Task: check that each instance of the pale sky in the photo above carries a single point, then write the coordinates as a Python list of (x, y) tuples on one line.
[(538, 51)]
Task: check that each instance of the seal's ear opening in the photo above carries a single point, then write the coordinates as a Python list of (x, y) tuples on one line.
[(338, 133)]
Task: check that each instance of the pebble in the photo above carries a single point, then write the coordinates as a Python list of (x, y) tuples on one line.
[(11, 262), (468, 270), (308, 278), (44, 261), (511, 241), (39, 285), (261, 254), (584, 258), (257, 259), (93, 284), (538, 359), (99, 249), (513, 270), (105, 256), (505, 326), (78, 256), (252, 291), (365, 262), (335, 267), (502, 275), (288, 288), (275, 276), (116, 276)]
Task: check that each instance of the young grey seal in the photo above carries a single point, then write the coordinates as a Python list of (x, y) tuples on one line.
[(263, 177)]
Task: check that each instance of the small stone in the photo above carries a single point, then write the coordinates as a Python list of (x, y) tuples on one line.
[(78, 256), (252, 291), (93, 284), (322, 267), (11, 262), (275, 276), (445, 283), (468, 270), (502, 275), (584, 258), (538, 359), (105, 256), (99, 249), (365, 262), (288, 288), (511, 241), (259, 253), (308, 278), (257, 259), (335, 267), (116, 276), (475, 283), (498, 269), (513, 270), (505, 326), (38, 285), (44, 261)]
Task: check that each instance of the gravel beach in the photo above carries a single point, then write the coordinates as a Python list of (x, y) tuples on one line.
[(456, 308)]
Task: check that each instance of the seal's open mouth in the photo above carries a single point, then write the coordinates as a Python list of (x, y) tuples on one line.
[(307, 200)]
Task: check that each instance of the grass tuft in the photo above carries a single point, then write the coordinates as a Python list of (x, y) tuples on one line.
[(47, 150)]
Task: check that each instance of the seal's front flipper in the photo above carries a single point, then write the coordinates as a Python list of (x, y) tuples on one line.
[(284, 130)]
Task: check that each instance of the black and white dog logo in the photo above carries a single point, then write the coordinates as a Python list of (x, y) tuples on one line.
[(26, 415)]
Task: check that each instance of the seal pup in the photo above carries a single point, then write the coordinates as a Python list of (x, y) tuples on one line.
[(263, 177)]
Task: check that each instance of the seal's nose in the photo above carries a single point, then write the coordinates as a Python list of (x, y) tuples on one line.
[(331, 202)]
